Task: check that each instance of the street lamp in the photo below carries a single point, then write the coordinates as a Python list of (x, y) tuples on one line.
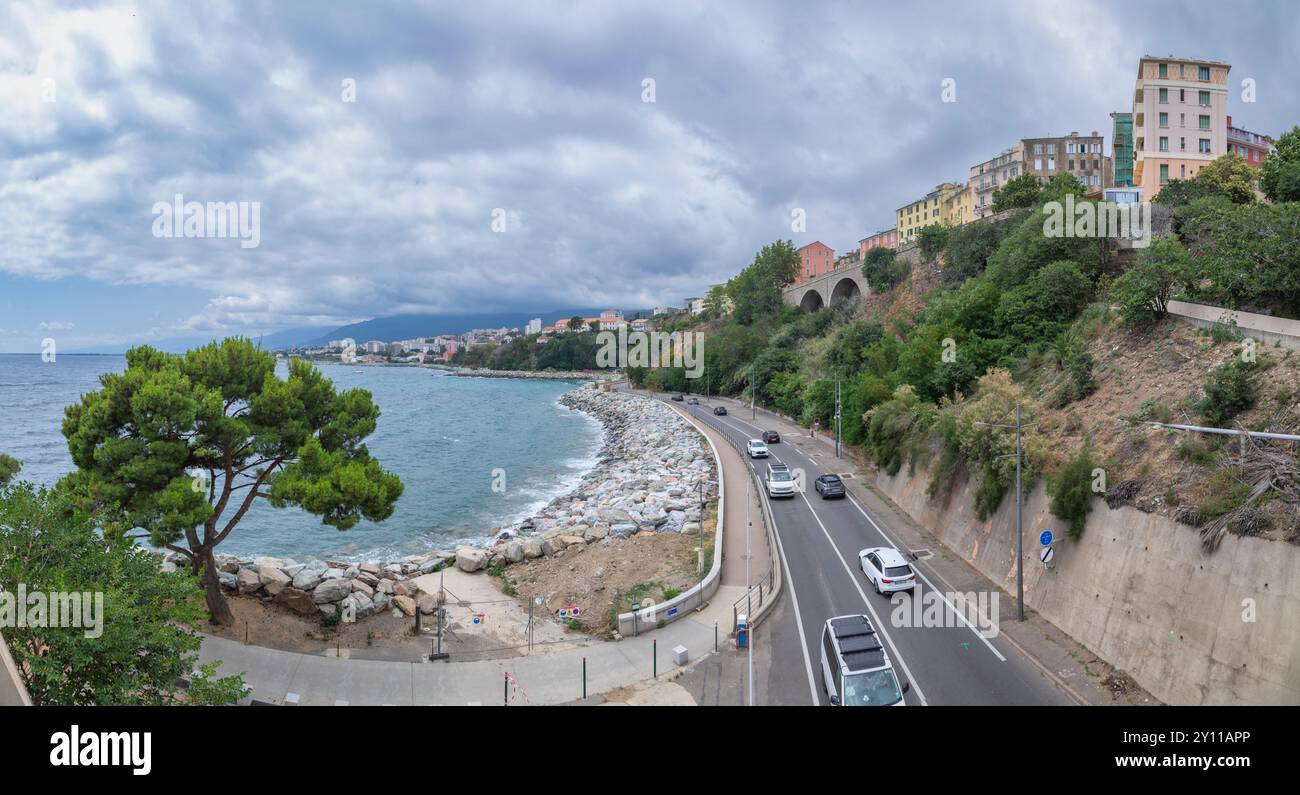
[(1020, 551)]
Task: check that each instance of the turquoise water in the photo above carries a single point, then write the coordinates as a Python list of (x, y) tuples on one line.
[(442, 435)]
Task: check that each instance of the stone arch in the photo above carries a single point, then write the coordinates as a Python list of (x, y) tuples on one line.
[(845, 290), (811, 301)]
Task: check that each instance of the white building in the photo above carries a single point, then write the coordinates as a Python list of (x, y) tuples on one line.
[(534, 326)]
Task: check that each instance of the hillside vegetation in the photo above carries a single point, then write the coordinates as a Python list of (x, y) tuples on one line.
[(991, 315)]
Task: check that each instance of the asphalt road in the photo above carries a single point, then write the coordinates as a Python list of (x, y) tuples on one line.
[(950, 664)]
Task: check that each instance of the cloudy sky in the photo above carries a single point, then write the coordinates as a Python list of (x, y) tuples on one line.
[(465, 157)]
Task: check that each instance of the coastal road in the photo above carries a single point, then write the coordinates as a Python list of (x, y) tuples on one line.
[(819, 541)]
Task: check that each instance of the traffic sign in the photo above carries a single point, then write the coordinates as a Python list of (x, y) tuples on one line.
[(1045, 538), (1046, 555)]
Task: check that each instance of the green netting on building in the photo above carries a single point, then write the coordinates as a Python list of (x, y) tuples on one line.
[(1123, 149)]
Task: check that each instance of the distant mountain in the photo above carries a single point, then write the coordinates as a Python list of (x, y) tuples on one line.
[(404, 327)]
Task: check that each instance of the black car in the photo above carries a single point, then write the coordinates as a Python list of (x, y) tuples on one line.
[(693, 401), (771, 437), (720, 410), (678, 397), (829, 486)]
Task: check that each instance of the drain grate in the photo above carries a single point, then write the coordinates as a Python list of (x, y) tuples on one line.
[(846, 476), (920, 554)]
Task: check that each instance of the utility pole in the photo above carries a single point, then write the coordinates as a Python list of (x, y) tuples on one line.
[(1020, 547), (837, 418)]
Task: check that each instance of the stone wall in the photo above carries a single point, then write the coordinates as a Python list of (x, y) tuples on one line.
[(1138, 591)]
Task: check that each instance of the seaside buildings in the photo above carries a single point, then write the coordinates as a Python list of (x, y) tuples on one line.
[(990, 175), (887, 238), (1180, 119), (1081, 155), (1252, 147), (815, 259), (935, 207)]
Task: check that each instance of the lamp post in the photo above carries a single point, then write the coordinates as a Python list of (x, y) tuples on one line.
[(1020, 549)]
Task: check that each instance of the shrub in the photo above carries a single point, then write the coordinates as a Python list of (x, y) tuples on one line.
[(1143, 292), (1229, 390), (1279, 177), (883, 270), (933, 239), (1071, 492), (891, 424)]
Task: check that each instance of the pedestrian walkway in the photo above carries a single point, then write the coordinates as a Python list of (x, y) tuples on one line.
[(553, 676)]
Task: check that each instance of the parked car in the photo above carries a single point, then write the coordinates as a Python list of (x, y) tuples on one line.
[(887, 570), (693, 402), (829, 486), (678, 397), (756, 448), (856, 670), (771, 437), (779, 481), (721, 411)]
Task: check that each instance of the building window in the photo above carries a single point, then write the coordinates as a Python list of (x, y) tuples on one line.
[(1164, 173), (1164, 70), (1038, 149), (1164, 144), (1164, 96), (1038, 164), (1204, 73), (1205, 122), (1205, 146), (1182, 96), (1204, 99), (1051, 164), (1071, 165), (1164, 119)]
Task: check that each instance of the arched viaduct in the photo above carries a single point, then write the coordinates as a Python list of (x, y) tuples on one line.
[(832, 287)]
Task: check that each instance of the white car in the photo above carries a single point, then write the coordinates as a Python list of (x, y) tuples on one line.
[(856, 671), (887, 570), (756, 448), (780, 483)]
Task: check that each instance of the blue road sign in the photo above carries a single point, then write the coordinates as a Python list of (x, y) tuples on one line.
[(1045, 538)]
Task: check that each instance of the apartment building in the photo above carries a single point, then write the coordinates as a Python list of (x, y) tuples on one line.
[(1254, 148), (934, 208), (887, 238), (1180, 119), (992, 174), (815, 259), (1084, 156)]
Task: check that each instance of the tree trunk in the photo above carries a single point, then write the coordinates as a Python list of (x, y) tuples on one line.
[(218, 607)]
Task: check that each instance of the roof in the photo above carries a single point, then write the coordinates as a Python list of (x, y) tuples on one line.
[(859, 647), (891, 557)]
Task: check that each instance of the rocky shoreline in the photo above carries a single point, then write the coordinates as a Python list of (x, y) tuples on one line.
[(653, 475), (535, 375)]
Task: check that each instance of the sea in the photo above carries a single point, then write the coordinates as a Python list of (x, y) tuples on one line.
[(451, 440)]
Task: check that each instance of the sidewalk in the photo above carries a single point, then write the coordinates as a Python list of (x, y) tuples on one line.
[(551, 677), (1058, 656)]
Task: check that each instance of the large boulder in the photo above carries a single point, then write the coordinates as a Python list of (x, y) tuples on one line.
[(385, 586), (332, 591), (514, 551), (359, 586), (273, 580), (227, 580), (248, 581), (406, 604), (532, 548), (470, 558), (309, 577), (297, 600), (595, 533)]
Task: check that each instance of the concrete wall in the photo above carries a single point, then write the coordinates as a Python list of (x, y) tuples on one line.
[(1138, 591), (1261, 328), (12, 692)]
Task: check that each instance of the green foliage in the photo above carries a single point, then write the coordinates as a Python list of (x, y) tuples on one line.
[(1071, 491), (893, 423), (148, 638), (1279, 177), (970, 246), (1231, 176), (883, 270), (1154, 411), (1034, 311), (9, 467), (1028, 249), (1143, 292), (1020, 191), (932, 239), (850, 343), (1062, 185), (1072, 355), (1248, 255), (1225, 493), (180, 446), (1229, 390), (756, 290)]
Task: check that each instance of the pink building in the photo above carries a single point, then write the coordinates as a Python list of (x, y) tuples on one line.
[(814, 260), (887, 238), (1253, 147)]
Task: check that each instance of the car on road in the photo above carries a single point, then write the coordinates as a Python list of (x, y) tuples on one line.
[(721, 411), (678, 397), (887, 569), (779, 481), (771, 437), (756, 448), (856, 670), (693, 402), (829, 486)]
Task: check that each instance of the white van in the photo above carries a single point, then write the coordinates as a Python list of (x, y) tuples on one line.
[(856, 671)]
